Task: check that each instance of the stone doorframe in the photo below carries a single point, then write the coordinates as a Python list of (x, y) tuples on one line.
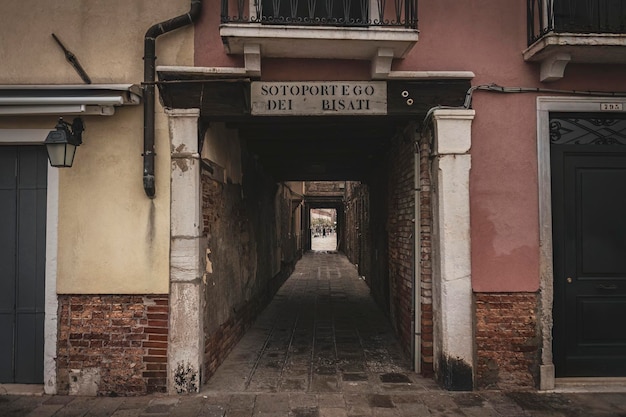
[(452, 289), (545, 105), (452, 284)]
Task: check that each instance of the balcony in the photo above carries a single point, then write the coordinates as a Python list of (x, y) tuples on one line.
[(577, 31), (376, 30)]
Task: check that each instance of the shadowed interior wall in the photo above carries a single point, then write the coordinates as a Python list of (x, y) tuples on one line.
[(252, 250)]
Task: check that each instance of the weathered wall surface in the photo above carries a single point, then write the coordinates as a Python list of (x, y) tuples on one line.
[(112, 239), (379, 235), (507, 340), (106, 37), (356, 208), (251, 248), (112, 344), (425, 251), (400, 226), (505, 241)]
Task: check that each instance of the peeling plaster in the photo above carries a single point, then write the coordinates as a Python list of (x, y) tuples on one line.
[(181, 163), (209, 264), (84, 382)]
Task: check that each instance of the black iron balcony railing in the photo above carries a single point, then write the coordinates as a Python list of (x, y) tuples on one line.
[(358, 13), (575, 16)]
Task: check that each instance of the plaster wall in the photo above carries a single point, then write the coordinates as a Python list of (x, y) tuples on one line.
[(486, 37), (221, 146), (112, 239), (106, 37)]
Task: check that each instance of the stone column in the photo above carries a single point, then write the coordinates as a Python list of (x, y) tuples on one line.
[(185, 348), (452, 286)]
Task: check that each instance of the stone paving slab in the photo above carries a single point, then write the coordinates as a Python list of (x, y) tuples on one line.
[(436, 403), (322, 349)]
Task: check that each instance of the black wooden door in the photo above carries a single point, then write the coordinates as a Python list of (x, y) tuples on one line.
[(23, 181), (589, 226)]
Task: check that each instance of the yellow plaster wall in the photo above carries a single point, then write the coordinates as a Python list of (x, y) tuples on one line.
[(112, 239)]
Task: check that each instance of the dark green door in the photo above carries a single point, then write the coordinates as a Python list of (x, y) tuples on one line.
[(23, 181), (588, 156)]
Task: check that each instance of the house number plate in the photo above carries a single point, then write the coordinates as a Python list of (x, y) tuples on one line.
[(612, 106)]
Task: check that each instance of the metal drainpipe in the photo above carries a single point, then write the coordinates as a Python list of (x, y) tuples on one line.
[(149, 77), (417, 265)]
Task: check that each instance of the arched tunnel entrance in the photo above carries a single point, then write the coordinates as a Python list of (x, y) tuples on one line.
[(259, 179)]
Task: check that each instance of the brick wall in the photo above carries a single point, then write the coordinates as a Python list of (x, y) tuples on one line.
[(252, 250), (390, 199), (221, 341), (400, 228), (507, 341), (426, 271), (112, 344)]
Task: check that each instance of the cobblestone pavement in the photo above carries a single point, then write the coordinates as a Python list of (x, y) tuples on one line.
[(322, 348)]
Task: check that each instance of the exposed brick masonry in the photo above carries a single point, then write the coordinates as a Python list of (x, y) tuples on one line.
[(219, 343), (400, 230), (426, 270), (400, 226), (123, 338), (250, 236), (507, 343)]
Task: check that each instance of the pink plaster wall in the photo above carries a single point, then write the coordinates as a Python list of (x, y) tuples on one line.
[(486, 37)]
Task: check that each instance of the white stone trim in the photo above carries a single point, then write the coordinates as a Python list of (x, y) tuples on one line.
[(217, 72), (555, 50), (51, 299), (36, 137), (329, 42), (381, 63), (553, 67), (545, 105), (220, 72), (252, 59), (436, 75), (186, 342), (452, 286)]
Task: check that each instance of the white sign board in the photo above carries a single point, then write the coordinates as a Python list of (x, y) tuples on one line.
[(319, 98)]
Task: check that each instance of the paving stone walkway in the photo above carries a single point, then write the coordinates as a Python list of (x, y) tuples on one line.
[(322, 348), (322, 333)]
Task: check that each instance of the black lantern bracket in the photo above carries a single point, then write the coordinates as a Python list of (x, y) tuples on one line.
[(61, 142)]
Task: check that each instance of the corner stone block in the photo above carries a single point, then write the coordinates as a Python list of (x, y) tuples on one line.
[(453, 131), (457, 314), (183, 125), (187, 259), (186, 210), (454, 216), (185, 345)]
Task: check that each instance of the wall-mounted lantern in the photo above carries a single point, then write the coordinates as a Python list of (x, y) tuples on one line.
[(61, 143)]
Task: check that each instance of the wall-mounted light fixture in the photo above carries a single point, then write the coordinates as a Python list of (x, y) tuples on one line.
[(61, 143)]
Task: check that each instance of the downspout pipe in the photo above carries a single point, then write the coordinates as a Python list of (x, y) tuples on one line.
[(149, 78), (417, 263)]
